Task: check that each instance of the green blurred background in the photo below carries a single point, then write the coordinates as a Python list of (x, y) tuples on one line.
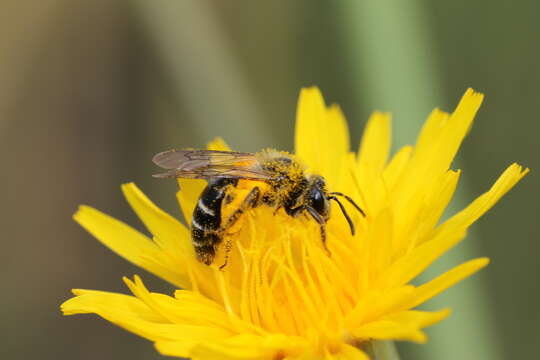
[(90, 90)]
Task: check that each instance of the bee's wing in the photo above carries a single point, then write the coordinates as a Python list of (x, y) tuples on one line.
[(206, 164)]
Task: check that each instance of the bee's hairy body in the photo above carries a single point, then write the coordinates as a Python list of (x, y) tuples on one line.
[(211, 220), (238, 182), (206, 231)]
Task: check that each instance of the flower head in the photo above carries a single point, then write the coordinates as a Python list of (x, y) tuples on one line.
[(281, 294)]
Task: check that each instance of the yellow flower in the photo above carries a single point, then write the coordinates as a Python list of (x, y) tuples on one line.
[(281, 295)]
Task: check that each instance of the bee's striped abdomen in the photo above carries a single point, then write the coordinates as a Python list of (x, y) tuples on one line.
[(206, 220)]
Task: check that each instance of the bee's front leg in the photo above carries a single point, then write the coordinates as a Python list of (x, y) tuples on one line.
[(296, 211), (322, 226)]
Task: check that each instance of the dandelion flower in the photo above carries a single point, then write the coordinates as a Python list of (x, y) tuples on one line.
[(282, 296)]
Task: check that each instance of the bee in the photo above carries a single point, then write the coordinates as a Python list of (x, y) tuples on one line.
[(271, 178)]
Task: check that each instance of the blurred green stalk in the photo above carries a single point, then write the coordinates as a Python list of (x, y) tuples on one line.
[(196, 54), (393, 67), (382, 350)]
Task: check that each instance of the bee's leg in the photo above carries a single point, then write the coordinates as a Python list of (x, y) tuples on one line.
[(322, 225), (249, 201), (294, 212), (228, 247)]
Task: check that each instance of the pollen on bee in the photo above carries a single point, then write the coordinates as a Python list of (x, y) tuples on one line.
[(229, 198)]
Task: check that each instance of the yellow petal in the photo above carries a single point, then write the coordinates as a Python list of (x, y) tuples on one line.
[(380, 237), (388, 302), (388, 330), (439, 141), (446, 280), (395, 168), (336, 132), (173, 237), (438, 144), (424, 211), (322, 136), (133, 315), (181, 349), (87, 301), (348, 352), (483, 203), (435, 204), (188, 195), (409, 266), (376, 142), (431, 131), (451, 232), (128, 243), (419, 319), (224, 351), (192, 308), (310, 116), (403, 325), (247, 346), (338, 129), (372, 158)]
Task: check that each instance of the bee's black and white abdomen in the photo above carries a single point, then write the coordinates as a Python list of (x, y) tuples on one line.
[(206, 220)]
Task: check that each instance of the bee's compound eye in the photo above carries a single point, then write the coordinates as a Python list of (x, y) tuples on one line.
[(318, 202)]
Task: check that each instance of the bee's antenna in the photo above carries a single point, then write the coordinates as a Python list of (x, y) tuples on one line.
[(349, 200), (351, 225)]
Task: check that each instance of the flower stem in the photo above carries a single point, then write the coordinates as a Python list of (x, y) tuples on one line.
[(382, 350)]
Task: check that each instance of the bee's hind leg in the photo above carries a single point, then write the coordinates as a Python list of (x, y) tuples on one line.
[(228, 247), (249, 201)]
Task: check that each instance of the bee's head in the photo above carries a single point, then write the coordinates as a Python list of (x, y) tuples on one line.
[(317, 196), (318, 199)]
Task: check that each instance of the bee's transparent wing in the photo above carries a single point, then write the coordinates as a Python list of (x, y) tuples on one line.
[(207, 164)]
